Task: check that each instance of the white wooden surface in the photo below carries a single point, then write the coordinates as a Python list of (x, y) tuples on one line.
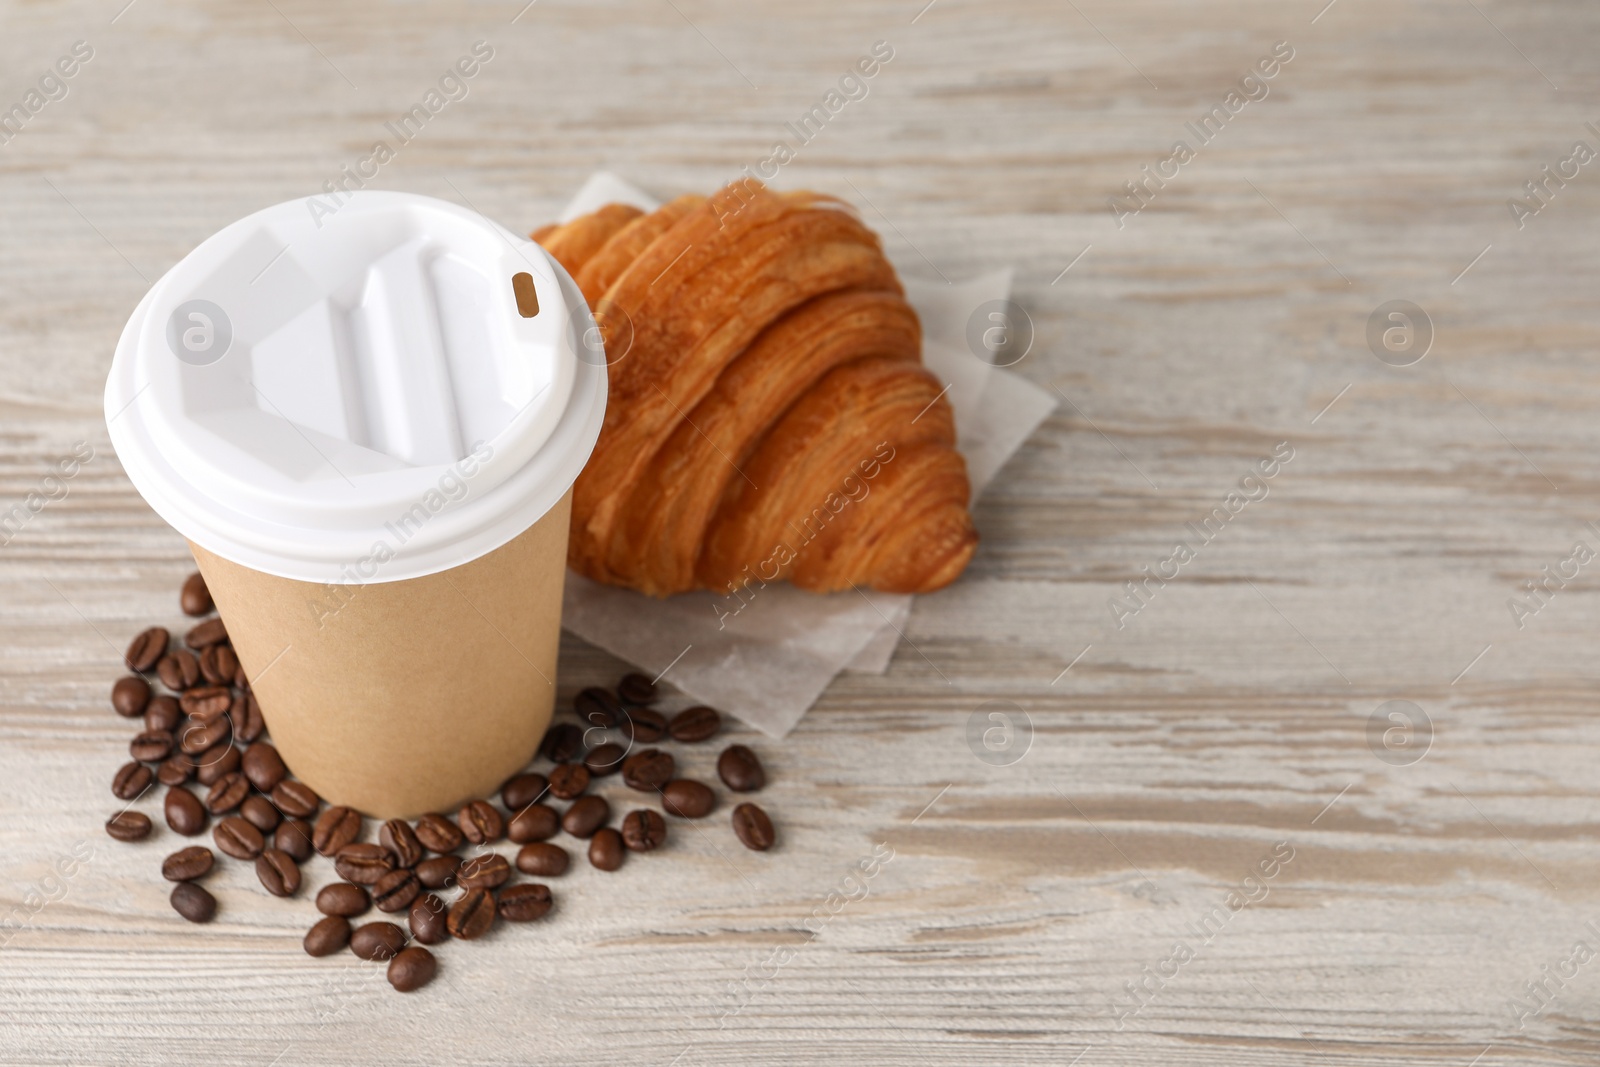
[(1228, 716)]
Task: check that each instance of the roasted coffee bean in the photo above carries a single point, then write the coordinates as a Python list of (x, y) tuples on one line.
[(397, 836), (752, 827), (263, 766), (187, 864), (487, 871), (644, 726), (605, 759), (238, 838), (427, 918), (130, 781), (130, 695), (239, 679), (739, 769), (245, 711), (649, 770), (437, 872), (179, 670), (279, 873), (343, 898), (597, 707), (129, 826), (606, 850), (695, 724), (227, 793), (328, 936), (175, 769), (184, 812), (206, 634), (197, 736), (536, 822), (688, 799), (295, 799), (218, 664), (636, 689), (208, 703), (568, 780), (562, 742), (363, 864), (214, 763), (480, 823), (586, 815), (260, 812), (162, 713), (471, 915), (524, 903), (151, 746), (193, 903), (147, 649), (336, 828), (542, 859), (438, 833), (396, 890), (377, 941), (644, 830), (294, 837), (195, 598), (412, 968), (522, 790)]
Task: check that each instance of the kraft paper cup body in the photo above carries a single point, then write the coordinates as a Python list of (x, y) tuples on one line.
[(367, 427)]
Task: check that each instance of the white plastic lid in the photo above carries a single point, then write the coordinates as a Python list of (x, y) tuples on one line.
[(375, 394)]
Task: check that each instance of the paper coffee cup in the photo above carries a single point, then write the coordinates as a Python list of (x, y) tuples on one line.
[(367, 424)]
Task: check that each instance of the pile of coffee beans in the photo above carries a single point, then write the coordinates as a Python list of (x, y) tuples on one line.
[(207, 729)]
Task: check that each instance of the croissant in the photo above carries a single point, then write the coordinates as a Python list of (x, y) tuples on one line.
[(771, 419)]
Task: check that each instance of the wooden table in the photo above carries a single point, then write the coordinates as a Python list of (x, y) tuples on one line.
[(1096, 895)]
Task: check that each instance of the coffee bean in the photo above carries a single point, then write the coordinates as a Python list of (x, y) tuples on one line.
[(263, 766), (536, 822), (130, 695), (206, 704), (427, 918), (562, 742), (606, 850), (328, 936), (644, 726), (487, 871), (296, 799), (471, 915), (636, 689), (597, 707), (193, 903), (438, 871), (218, 664), (187, 864), (568, 780), (752, 827), (363, 864), (522, 790), (524, 903), (151, 746), (377, 941), (240, 681), (605, 759), (227, 793), (207, 633), (695, 724), (162, 713), (438, 833), (542, 859), (480, 823), (649, 770), (294, 837), (644, 830), (397, 836), (175, 769), (245, 712), (586, 815), (184, 812), (130, 781), (412, 969), (688, 799), (147, 649), (343, 898), (740, 770), (336, 828), (396, 890), (260, 812), (195, 598), (179, 670), (278, 872), (197, 736), (129, 826), (238, 838)]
